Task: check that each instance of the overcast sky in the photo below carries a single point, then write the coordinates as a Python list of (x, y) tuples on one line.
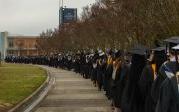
[(31, 17)]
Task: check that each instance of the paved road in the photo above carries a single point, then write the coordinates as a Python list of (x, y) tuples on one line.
[(72, 93)]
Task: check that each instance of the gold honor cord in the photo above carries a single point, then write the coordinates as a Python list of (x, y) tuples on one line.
[(177, 76)]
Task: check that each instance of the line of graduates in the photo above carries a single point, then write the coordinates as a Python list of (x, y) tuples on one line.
[(140, 80)]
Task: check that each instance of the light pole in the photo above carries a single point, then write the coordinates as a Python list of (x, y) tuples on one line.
[(61, 5)]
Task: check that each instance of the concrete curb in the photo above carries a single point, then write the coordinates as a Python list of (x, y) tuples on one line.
[(28, 104)]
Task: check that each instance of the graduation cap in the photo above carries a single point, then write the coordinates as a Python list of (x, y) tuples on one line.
[(139, 49), (171, 42), (159, 55), (159, 49), (101, 53), (176, 47), (109, 51), (174, 40), (118, 53), (91, 55), (160, 52)]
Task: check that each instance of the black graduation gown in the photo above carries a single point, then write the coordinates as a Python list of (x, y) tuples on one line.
[(131, 101), (115, 87), (100, 73), (121, 83), (94, 74), (94, 70), (90, 67), (145, 84), (159, 80), (125, 101), (156, 87), (108, 79), (169, 96), (104, 66)]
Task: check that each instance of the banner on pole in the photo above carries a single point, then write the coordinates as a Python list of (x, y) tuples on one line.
[(68, 15)]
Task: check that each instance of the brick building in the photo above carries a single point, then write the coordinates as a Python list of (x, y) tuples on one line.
[(22, 45), (18, 45)]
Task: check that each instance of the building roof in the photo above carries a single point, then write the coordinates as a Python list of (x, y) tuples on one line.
[(25, 37)]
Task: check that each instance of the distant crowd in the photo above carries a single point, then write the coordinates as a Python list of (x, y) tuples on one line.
[(139, 80)]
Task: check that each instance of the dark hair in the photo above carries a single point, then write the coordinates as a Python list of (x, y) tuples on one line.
[(172, 52), (138, 63), (159, 59)]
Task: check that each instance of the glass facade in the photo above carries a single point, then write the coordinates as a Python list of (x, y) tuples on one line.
[(3, 44)]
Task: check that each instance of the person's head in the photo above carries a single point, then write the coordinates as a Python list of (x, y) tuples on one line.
[(158, 56), (172, 56), (151, 58), (138, 62)]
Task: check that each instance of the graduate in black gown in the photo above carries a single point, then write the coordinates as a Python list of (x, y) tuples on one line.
[(100, 70), (148, 76), (108, 74), (131, 99), (115, 79), (94, 69), (169, 92), (121, 72), (124, 74), (161, 76), (169, 96)]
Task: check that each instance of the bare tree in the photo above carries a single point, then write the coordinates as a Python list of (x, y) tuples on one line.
[(116, 24)]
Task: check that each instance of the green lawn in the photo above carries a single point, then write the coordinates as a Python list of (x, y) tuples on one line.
[(17, 82)]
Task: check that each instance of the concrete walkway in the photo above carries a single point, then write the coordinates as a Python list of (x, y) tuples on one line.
[(72, 93)]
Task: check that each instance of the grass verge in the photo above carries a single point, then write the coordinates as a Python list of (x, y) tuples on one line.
[(17, 82)]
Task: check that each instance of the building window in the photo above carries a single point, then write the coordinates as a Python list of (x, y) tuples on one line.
[(10, 52), (11, 44), (20, 44), (35, 45)]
